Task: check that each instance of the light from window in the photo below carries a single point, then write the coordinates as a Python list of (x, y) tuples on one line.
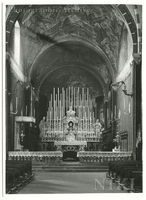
[(17, 43)]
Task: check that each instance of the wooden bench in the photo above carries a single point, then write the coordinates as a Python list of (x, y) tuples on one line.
[(118, 169), (17, 174), (122, 172), (113, 165)]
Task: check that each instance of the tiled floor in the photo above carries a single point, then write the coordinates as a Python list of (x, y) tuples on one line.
[(54, 183)]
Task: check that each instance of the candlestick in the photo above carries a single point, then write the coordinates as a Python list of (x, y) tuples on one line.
[(58, 97), (66, 99), (16, 104), (124, 103), (107, 114), (74, 99), (51, 100), (119, 113), (90, 122), (78, 96), (129, 107), (60, 109), (115, 110), (72, 95), (69, 97), (111, 114), (87, 96)]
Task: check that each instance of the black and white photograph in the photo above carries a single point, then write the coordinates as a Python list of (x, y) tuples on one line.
[(72, 98)]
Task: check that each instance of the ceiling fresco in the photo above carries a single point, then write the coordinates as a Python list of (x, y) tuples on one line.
[(83, 36), (99, 24)]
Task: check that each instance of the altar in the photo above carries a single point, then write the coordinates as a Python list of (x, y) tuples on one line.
[(70, 145), (70, 133)]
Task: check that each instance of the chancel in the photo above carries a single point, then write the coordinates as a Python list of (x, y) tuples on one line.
[(73, 95)]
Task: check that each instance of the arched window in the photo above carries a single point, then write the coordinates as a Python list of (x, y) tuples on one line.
[(17, 43)]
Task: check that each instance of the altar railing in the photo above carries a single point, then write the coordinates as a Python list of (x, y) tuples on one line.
[(96, 156), (55, 156), (49, 156)]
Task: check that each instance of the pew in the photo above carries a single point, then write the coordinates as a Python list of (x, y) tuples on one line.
[(122, 173), (18, 174), (112, 164), (118, 169)]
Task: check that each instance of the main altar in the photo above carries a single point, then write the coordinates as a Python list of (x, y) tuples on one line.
[(70, 133)]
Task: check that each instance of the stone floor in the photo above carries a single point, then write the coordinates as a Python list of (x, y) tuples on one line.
[(69, 182)]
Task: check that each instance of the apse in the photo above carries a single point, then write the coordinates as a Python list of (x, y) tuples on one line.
[(71, 86)]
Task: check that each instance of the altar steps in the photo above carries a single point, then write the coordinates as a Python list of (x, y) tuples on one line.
[(71, 167)]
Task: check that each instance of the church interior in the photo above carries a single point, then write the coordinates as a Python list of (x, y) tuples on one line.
[(73, 95)]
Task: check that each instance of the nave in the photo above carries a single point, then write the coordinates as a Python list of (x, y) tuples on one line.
[(68, 182)]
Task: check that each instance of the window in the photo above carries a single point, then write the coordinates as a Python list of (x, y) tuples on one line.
[(17, 43)]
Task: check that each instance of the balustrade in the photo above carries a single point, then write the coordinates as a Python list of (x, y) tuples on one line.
[(94, 156), (42, 156), (56, 156)]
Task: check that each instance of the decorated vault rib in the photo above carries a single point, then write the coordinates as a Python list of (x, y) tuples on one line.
[(70, 117)]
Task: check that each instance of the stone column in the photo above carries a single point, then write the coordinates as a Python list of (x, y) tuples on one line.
[(136, 63), (105, 114), (37, 110), (31, 101), (7, 106)]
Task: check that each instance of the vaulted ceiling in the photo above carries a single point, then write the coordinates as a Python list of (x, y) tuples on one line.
[(84, 37)]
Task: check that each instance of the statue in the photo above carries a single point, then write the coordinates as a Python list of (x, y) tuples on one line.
[(98, 124), (116, 140), (70, 112), (98, 128), (42, 127)]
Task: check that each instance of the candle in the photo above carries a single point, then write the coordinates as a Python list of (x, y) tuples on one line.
[(11, 106), (74, 99), (16, 104), (119, 113), (124, 103), (129, 107), (115, 110), (51, 100), (90, 123), (58, 97), (44, 128), (111, 114), (57, 128), (69, 97), (34, 112), (26, 110), (60, 109), (107, 113)]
